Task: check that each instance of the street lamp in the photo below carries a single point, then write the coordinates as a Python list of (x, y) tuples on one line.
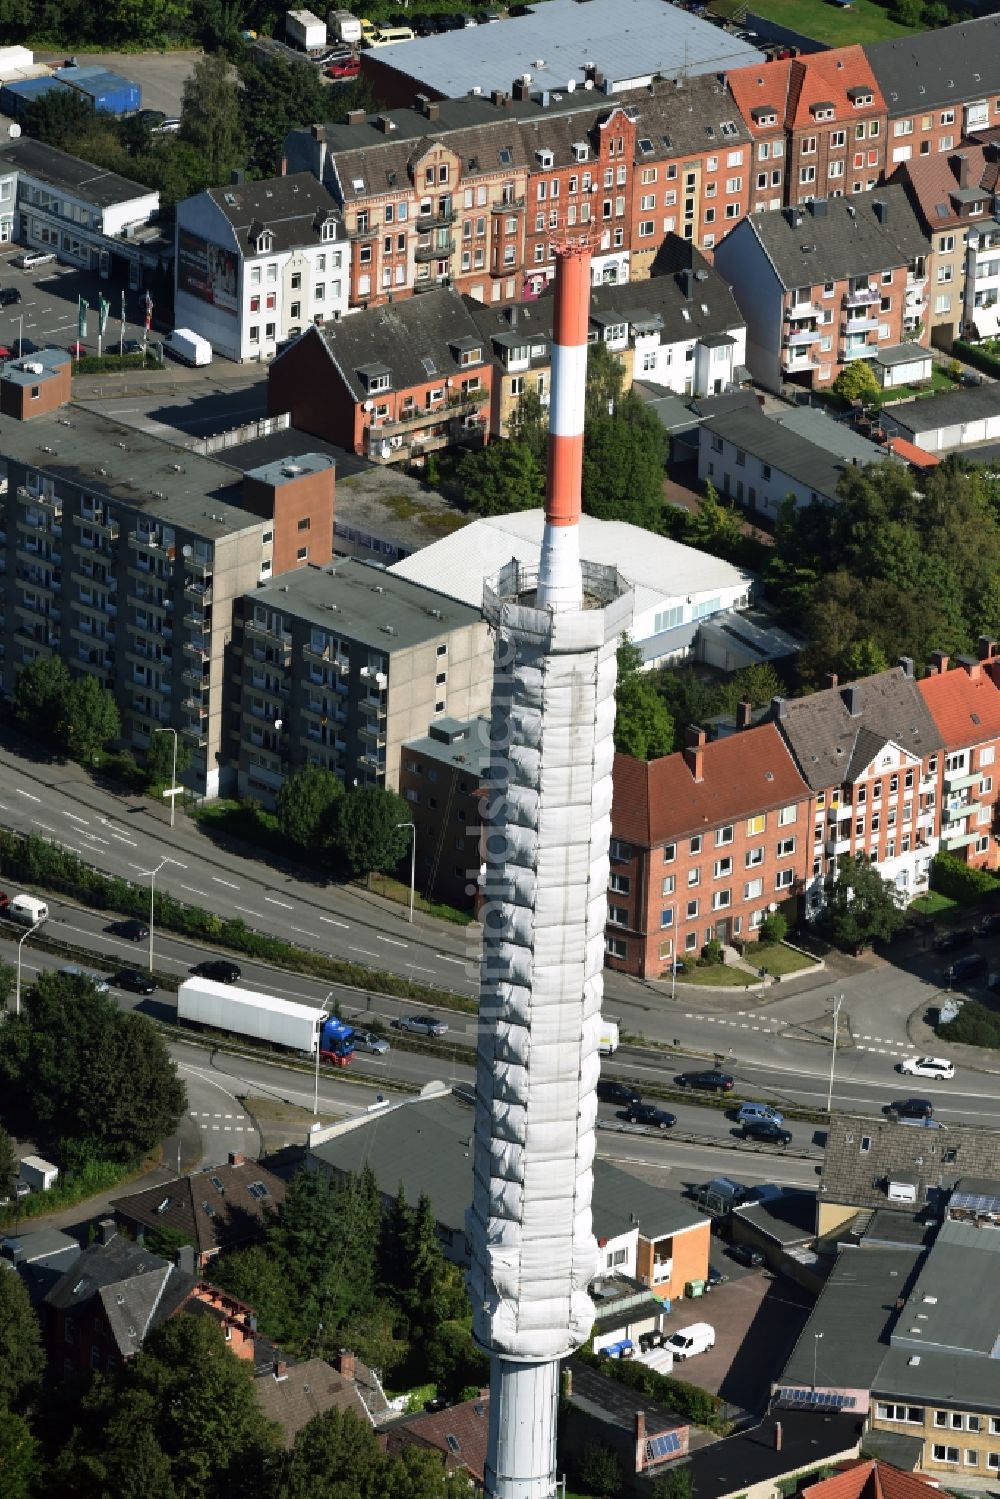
[(152, 873), (838, 1001), (324, 1014), (174, 790), (816, 1338), (17, 987), (413, 861)]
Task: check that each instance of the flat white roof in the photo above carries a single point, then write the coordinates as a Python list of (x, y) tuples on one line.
[(659, 569), (626, 40)]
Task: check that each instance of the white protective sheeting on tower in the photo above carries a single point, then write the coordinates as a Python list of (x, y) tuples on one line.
[(533, 1249)]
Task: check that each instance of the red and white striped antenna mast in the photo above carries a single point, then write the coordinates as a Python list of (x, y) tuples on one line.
[(560, 582)]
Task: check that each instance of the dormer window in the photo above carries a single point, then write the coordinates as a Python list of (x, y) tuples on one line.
[(544, 158), (265, 242), (471, 356), (764, 115), (977, 207), (375, 378), (860, 97), (378, 382), (329, 230), (823, 111), (581, 151)]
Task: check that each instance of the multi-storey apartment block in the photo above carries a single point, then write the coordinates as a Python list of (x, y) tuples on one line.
[(338, 666), (835, 280), (939, 86), (818, 125), (429, 198), (124, 555), (965, 705), (955, 197), (705, 842), (442, 775)]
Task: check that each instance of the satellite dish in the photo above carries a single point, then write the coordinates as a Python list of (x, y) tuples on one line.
[(187, 550)]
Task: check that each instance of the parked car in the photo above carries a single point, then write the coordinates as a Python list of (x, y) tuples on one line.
[(344, 67), (767, 1130), (5, 352), (77, 349), (131, 346), (710, 1081), (131, 929), (968, 378), (30, 260), (965, 968), (756, 1113), (220, 970), (609, 1091), (9, 296), (151, 118), (955, 937), (651, 1115), (910, 1108), (421, 1025), (743, 1254), (697, 1338), (135, 981), (369, 1041), (169, 126), (716, 1277), (937, 1067)]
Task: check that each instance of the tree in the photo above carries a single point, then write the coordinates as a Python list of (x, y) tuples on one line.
[(371, 836), (40, 693), (150, 23), (714, 527), (643, 726), (454, 1361), (8, 1165), (502, 477), (774, 927), (861, 907), (160, 758), (62, 118), (674, 1484), (605, 376), (113, 1091), (21, 1473), (21, 1358), (337, 1456), (210, 115), (90, 718), (863, 658), (599, 1470), (857, 382), (529, 424), (308, 804), (624, 457), (278, 96)]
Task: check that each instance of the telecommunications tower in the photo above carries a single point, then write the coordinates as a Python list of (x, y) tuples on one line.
[(547, 833)]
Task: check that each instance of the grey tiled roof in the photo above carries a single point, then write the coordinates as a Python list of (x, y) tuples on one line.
[(936, 1158), (214, 1208), (846, 240), (926, 69), (947, 409), (293, 208), (831, 746), (784, 449), (91, 184), (135, 1288), (303, 1391)]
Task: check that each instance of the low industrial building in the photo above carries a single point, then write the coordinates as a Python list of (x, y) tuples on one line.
[(954, 419), (676, 586), (257, 263), (340, 665)]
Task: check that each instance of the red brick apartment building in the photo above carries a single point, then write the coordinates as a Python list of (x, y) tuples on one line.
[(704, 843), (818, 125), (965, 704), (939, 86)]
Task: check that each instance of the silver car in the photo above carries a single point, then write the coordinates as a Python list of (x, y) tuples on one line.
[(369, 1041), (421, 1025)]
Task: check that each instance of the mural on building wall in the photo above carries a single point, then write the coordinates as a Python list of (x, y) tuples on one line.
[(207, 271)]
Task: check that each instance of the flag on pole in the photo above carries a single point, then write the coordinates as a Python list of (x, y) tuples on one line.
[(81, 321), (103, 308), (124, 318), (149, 312)]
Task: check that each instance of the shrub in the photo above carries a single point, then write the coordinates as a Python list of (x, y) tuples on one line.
[(960, 881), (981, 358), (676, 1394), (974, 1024), (712, 954), (774, 927)]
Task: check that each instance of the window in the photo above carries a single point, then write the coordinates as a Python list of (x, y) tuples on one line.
[(669, 853), (694, 878), (732, 210), (722, 867), (753, 889), (304, 524), (986, 755), (692, 910), (784, 879), (755, 857), (914, 1414), (667, 917), (944, 1454), (786, 848), (721, 900), (806, 175), (620, 851), (302, 554), (669, 881), (615, 947), (786, 816), (694, 847), (809, 145), (618, 915), (723, 836), (756, 824)]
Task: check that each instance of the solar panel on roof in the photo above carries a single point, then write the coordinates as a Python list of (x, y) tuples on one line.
[(976, 1202), (820, 1399), (662, 1446)]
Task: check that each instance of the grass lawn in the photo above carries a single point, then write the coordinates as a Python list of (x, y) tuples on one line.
[(393, 889), (775, 957), (939, 382), (933, 904), (864, 22)]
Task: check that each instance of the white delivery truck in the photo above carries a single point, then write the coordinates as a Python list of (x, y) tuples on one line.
[(189, 347), (39, 1175), (344, 27), (305, 31), (28, 910), (698, 1338), (607, 1039), (227, 1008)]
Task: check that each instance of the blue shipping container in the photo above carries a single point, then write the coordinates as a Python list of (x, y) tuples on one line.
[(105, 90), (15, 97)]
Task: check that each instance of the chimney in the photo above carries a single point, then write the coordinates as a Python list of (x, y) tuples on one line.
[(830, 679), (744, 713), (356, 117), (500, 98), (939, 661), (345, 1364), (560, 580), (280, 1365), (237, 1158), (906, 666), (852, 699), (640, 1426), (987, 648), (777, 707), (793, 216), (818, 206), (881, 208), (185, 1259), (777, 1436), (385, 124), (694, 751), (106, 1230), (971, 667), (318, 132), (687, 282), (433, 109), (960, 167), (519, 89)]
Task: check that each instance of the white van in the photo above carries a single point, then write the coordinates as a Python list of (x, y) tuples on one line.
[(31, 259), (385, 36), (697, 1338), (28, 910)]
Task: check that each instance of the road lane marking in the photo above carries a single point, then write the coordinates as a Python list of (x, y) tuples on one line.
[(330, 921), (72, 815), (192, 891), (31, 797), (392, 941), (247, 912), (219, 881), (287, 905), (446, 959)]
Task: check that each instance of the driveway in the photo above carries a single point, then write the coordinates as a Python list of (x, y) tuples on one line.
[(161, 75)]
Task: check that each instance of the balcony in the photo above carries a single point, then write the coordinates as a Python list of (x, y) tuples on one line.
[(102, 524), (198, 567), (314, 653), (801, 338), (516, 205), (193, 676), (425, 222), (863, 296), (369, 229), (801, 310), (961, 840), (859, 324), (957, 812), (148, 541), (195, 648), (255, 627), (958, 780), (194, 704), (41, 501), (196, 732), (269, 689), (197, 590), (434, 252)]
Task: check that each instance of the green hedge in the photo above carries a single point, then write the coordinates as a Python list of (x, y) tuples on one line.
[(974, 1024), (961, 882), (980, 359), (679, 1396), (89, 364)]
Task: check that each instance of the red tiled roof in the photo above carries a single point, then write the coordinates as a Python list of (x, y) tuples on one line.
[(747, 772), (793, 86), (466, 1424), (919, 457), (869, 1480), (965, 708), (932, 180)]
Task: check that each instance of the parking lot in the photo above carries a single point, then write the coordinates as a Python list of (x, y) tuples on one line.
[(47, 311), (161, 75), (757, 1318)]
